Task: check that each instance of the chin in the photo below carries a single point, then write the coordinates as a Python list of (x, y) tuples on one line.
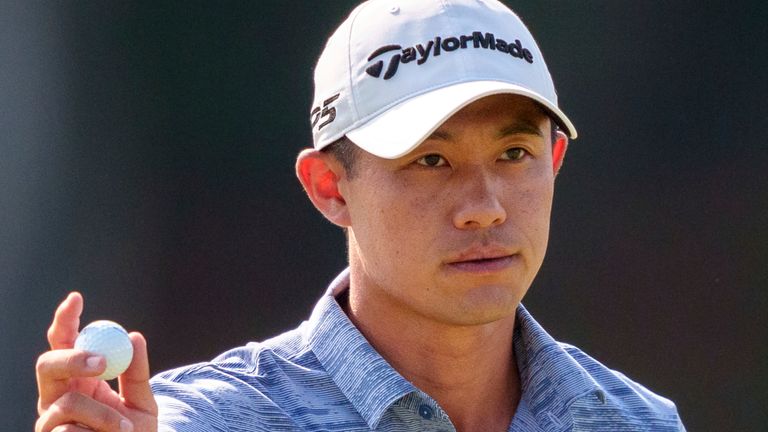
[(489, 303), (481, 317)]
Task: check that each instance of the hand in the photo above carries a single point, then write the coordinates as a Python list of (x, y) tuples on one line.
[(72, 399)]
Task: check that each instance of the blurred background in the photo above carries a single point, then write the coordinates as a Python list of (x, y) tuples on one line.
[(146, 160)]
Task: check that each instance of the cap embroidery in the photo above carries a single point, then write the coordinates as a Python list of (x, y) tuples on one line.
[(422, 52), (326, 111)]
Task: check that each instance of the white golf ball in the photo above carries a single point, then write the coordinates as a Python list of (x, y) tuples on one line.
[(109, 340)]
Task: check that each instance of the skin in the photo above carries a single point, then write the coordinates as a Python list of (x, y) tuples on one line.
[(71, 399), (443, 244)]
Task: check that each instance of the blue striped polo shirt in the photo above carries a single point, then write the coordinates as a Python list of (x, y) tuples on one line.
[(325, 376)]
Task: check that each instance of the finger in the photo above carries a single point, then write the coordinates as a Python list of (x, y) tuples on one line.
[(66, 321), (77, 409), (134, 382), (54, 370), (105, 394)]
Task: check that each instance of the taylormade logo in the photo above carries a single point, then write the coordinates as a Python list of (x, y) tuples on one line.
[(421, 53)]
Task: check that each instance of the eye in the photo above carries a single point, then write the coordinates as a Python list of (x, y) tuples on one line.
[(432, 160), (514, 154)]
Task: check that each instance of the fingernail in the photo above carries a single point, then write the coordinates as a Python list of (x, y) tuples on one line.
[(93, 362), (125, 426)]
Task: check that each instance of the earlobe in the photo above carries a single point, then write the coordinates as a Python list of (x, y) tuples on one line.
[(320, 176), (559, 148)]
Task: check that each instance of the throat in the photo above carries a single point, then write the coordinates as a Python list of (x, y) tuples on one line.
[(486, 400), (470, 371)]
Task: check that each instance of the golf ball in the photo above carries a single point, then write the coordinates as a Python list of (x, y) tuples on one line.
[(109, 340)]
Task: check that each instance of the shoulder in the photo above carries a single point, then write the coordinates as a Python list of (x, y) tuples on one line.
[(619, 397), (565, 386), (254, 363), (249, 382)]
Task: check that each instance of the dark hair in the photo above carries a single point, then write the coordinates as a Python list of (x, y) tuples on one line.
[(553, 132), (345, 151)]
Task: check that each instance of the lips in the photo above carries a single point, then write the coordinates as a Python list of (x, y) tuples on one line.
[(483, 259)]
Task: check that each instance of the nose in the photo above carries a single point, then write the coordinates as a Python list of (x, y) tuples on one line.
[(478, 204)]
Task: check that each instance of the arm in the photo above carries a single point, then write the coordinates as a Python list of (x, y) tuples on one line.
[(71, 399)]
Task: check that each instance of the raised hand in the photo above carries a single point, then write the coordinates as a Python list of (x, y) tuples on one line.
[(71, 399)]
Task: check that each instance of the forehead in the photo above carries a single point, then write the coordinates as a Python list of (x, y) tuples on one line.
[(503, 114), (499, 106)]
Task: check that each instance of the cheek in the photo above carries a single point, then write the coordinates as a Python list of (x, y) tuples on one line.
[(533, 209), (536, 200), (393, 220)]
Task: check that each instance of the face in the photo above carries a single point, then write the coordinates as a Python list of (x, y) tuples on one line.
[(456, 230)]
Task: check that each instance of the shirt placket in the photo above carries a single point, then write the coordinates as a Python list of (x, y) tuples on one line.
[(422, 413)]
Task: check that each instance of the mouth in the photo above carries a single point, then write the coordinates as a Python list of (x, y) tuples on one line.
[(483, 260)]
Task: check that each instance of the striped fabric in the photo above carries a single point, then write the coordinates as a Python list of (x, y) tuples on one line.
[(324, 376)]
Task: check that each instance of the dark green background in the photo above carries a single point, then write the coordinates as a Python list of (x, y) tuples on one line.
[(146, 159)]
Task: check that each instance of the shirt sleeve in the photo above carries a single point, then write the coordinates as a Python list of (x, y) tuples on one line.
[(182, 408), (205, 397)]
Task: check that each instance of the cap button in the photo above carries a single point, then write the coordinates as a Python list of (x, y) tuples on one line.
[(394, 9)]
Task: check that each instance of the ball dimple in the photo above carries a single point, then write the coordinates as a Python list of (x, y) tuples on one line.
[(109, 340)]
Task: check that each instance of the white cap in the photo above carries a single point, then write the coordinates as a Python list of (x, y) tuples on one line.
[(394, 71)]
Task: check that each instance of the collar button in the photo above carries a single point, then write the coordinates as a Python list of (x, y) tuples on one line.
[(426, 412)]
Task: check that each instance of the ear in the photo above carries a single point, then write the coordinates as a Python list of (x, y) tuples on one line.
[(320, 173), (558, 151)]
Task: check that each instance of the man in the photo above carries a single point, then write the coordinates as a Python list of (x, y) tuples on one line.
[(437, 139)]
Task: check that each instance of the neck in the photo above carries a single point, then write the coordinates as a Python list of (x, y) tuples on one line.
[(469, 370)]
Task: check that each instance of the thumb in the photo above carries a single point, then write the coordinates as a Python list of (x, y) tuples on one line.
[(134, 382)]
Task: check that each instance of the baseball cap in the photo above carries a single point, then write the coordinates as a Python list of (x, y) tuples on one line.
[(394, 71)]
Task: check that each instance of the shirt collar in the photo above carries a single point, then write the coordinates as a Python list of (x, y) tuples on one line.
[(551, 379), (365, 378)]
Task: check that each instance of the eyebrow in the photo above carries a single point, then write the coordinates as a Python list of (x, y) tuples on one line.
[(521, 128), (517, 128)]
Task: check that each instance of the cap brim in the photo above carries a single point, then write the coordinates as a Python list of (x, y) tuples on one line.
[(401, 128)]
